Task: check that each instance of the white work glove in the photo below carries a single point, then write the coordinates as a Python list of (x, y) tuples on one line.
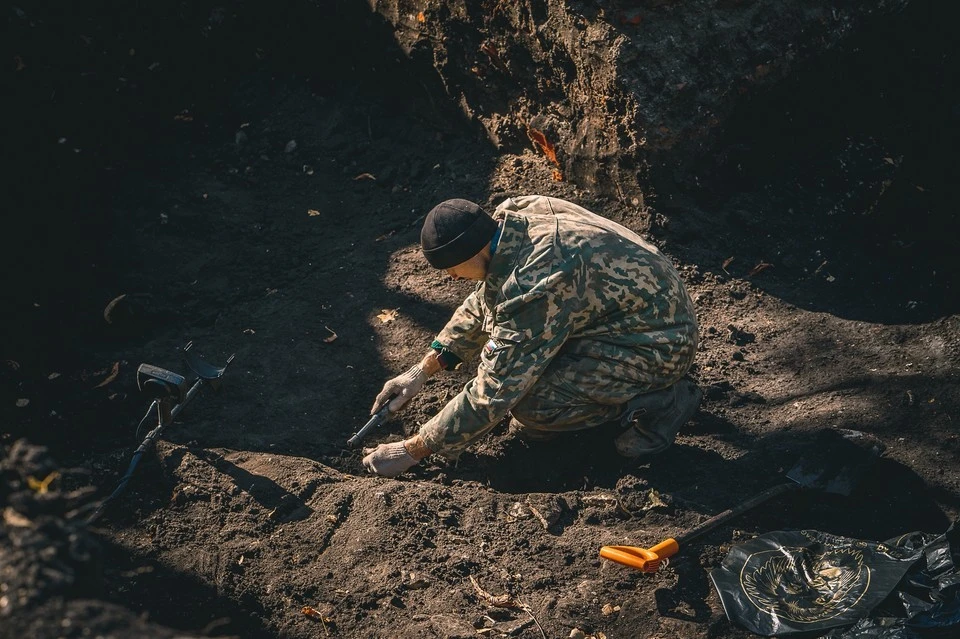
[(404, 386), (388, 460)]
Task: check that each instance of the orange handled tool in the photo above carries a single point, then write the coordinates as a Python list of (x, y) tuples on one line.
[(839, 459), (650, 559), (645, 559)]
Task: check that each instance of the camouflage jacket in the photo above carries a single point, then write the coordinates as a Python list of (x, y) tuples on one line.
[(560, 276)]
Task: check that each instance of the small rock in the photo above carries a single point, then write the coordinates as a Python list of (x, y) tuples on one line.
[(576, 633), (415, 581), (291, 146)]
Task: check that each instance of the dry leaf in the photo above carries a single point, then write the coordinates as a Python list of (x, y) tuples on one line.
[(633, 17), (42, 486), (23, 402), (365, 176), (654, 500), (108, 311), (557, 176), (727, 262), (14, 365), (313, 212), (421, 18), (762, 266), (889, 161), (538, 138), (313, 613), (112, 376), (14, 519), (53, 375), (330, 337), (493, 54), (316, 614), (388, 315), (249, 331), (183, 116)]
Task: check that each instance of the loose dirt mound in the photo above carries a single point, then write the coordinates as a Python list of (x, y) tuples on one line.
[(255, 182)]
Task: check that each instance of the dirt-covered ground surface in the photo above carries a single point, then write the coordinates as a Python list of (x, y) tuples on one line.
[(259, 188)]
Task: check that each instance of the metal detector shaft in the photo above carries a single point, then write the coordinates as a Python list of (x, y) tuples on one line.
[(146, 444)]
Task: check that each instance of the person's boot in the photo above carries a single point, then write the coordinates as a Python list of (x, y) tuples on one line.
[(655, 418)]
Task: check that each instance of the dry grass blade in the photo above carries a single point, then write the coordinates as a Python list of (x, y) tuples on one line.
[(540, 517), (498, 601), (506, 601)]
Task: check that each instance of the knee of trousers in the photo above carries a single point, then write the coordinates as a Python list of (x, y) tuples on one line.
[(533, 413)]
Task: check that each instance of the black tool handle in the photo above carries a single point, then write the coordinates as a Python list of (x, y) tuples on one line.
[(736, 511), (378, 418)]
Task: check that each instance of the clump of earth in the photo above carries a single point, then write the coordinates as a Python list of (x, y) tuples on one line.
[(254, 180)]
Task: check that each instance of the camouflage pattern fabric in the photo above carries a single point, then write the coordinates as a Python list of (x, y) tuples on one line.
[(577, 315)]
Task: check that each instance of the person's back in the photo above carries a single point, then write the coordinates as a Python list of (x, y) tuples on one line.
[(620, 285)]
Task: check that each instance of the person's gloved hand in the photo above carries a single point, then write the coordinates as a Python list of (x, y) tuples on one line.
[(404, 386), (389, 460)]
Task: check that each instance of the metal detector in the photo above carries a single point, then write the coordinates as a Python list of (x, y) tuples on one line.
[(171, 392)]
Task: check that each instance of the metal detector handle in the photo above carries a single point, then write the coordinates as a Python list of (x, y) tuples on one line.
[(378, 418), (649, 559), (203, 369)]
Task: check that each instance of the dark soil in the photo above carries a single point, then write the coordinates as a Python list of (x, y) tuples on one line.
[(255, 182)]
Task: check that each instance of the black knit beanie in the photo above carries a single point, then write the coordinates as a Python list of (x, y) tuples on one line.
[(455, 231)]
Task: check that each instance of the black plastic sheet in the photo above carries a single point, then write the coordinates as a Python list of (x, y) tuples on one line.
[(789, 582)]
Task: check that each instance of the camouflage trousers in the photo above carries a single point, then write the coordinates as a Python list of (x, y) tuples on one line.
[(589, 383)]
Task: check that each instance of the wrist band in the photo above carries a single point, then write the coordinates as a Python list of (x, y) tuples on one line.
[(447, 359)]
